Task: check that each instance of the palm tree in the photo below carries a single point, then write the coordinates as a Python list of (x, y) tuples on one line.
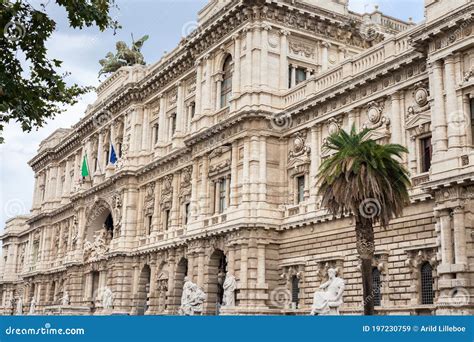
[(366, 179)]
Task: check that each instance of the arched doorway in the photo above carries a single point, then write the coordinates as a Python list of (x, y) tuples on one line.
[(143, 290), (215, 280), (100, 222)]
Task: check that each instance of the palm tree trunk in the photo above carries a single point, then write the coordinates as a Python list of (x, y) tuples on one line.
[(365, 248)]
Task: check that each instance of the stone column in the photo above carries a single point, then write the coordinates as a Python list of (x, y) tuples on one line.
[(218, 82), (314, 166), (446, 237), (254, 169), (198, 97), (293, 75), (146, 136), (100, 154), (234, 174), (452, 114), (246, 173), (324, 55), (162, 121), (396, 119), (200, 277), (438, 112), (264, 55), (459, 235), (180, 112), (153, 291), (263, 171), (204, 187), (248, 59), (413, 156), (194, 191), (236, 76), (207, 89), (260, 265), (284, 59), (175, 206)]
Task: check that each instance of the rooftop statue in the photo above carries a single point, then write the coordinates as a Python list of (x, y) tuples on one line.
[(124, 56)]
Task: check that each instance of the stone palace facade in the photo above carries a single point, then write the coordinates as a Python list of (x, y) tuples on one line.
[(219, 144)]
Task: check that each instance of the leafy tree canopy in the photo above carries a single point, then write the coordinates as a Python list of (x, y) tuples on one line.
[(31, 88)]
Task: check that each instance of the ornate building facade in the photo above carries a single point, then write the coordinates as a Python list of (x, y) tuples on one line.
[(218, 147)]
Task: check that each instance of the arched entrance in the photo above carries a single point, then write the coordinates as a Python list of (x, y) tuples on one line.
[(143, 290), (100, 222), (215, 279)]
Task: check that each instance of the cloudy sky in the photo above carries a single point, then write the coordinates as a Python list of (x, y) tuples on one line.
[(165, 21)]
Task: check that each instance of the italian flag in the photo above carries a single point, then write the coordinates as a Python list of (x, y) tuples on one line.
[(85, 168)]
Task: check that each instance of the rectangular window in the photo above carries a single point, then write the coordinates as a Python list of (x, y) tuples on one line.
[(192, 109), (106, 157), (173, 124), (300, 75), (300, 189), (96, 164), (426, 153), (186, 213), (167, 219), (155, 133), (222, 195), (149, 224)]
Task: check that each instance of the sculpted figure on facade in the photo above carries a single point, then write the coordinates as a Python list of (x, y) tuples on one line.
[(328, 301), (124, 56), (229, 286), (107, 299), (192, 299), (19, 306), (65, 299), (98, 248), (32, 306)]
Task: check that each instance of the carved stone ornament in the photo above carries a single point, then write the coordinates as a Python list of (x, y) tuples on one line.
[(167, 191), (299, 146), (149, 198), (334, 125), (375, 117)]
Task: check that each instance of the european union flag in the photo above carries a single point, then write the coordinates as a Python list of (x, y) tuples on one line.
[(113, 156)]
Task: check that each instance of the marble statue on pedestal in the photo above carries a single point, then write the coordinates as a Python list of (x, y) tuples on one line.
[(19, 306), (229, 290), (32, 306), (192, 299), (107, 299), (328, 301), (65, 299)]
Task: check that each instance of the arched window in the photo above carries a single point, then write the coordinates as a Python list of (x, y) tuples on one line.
[(376, 285), (427, 293), (295, 290), (226, 87)]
